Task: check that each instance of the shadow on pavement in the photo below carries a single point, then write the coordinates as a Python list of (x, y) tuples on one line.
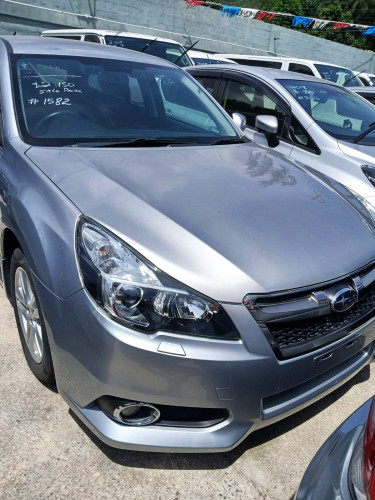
[(208, 461), (51, 387)]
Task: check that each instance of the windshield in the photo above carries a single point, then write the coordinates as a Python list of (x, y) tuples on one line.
[(338, 111), (170, 51), (67, 100), (336, 74), (204, 60)]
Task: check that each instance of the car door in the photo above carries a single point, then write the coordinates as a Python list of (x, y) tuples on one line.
[(250, 97)]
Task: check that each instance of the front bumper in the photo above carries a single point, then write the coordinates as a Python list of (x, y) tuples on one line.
[(94, 357)]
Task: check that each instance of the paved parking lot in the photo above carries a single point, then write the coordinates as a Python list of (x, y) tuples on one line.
[(46, 453)]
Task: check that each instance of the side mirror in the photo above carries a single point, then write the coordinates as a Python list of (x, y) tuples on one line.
[(239, 120), (269, 125)]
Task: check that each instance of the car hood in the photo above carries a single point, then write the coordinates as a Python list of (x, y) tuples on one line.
[(360, 152), (225, 220)]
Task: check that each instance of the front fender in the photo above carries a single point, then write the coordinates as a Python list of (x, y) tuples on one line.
[(43, 220)]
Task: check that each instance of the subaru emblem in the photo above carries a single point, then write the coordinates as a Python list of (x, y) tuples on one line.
[(344, 299)]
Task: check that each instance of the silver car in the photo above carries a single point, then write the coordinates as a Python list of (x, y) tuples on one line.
[(344, 466), (183, 285), (315, 122)]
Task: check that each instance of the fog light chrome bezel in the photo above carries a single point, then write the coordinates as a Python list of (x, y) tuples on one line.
[(133, 421)]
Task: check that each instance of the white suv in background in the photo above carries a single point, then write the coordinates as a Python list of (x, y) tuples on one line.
[(199, 58), (161, 47), (331, 72)]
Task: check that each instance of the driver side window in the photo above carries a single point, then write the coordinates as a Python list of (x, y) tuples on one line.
[(248, 100)]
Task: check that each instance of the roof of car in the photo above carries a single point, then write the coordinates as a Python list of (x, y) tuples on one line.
[(89, 31), (197, 53), (57, 46), (271, 73), (363, 90), (280, 58)]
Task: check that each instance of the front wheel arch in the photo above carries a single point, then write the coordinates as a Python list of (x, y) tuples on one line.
[(9, 244)]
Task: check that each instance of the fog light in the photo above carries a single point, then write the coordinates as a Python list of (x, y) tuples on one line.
[(134, 413)]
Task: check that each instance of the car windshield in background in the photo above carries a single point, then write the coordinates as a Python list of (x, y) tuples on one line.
[(70, 100), (204, 60), (169, 51), (339, 112), (338, 75)]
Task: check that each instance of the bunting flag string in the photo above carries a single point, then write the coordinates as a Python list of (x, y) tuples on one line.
[(297, 21), (339, 26), (248, 13), (320, 24), (194, 3), (267, 16)]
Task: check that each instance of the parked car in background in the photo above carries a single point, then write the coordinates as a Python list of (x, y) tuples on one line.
[(365, 92), (318, 123), (161, 47), (206, 58), (183, 285), (331, 72), (344, 466), (364, 77)]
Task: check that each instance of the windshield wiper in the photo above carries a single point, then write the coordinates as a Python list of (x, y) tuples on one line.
[(352, 78), (359, 137), (233, 140), (141, 141), (185, 52), (148, 45)]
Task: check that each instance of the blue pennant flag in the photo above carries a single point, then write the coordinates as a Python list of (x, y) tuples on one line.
[(303, 21), (369, 31), (230, 11)]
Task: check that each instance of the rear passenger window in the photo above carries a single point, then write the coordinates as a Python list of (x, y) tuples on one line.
[(92, 38), (262, 64), (67, 37), (301, 68)]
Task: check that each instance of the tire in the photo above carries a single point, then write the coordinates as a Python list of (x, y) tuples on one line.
[(29, 319)]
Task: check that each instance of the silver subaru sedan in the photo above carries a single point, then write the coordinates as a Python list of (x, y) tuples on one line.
[(182, 285)]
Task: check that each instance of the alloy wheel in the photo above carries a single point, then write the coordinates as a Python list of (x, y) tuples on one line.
[(28, 314)]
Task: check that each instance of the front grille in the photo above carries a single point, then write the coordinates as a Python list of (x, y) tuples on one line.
[(299, 322), (317, 332)]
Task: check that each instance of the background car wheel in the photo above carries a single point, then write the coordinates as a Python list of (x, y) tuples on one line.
[(29, 318)]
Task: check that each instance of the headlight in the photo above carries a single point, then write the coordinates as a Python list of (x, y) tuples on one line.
[(138, 295)]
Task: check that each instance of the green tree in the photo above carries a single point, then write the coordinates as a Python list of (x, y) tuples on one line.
[(288, 7), (310, 8), (362, 12)]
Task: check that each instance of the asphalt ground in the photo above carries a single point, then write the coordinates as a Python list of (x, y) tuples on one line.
[(47, 453)]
